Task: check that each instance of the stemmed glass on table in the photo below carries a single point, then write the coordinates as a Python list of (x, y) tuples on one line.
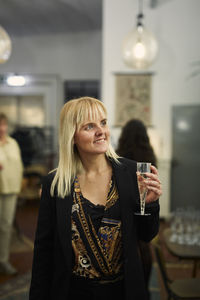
[(142, 169)]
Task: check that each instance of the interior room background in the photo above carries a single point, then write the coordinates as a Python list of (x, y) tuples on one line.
[(50, 60)]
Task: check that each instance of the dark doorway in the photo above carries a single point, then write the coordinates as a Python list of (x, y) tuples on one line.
[(185, 179), (81, 88)]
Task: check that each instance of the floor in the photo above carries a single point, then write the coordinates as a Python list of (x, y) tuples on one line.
[(26, 220)]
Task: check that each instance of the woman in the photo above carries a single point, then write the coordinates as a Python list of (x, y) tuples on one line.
[(11, 170), (86, 238), (134, 144)]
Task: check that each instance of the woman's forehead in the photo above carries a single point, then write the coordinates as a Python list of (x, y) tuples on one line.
[(91, 115), (3, 122)]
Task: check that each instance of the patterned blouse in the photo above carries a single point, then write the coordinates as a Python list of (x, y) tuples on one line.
[(96, 236)]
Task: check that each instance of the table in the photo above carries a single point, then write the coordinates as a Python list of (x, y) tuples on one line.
[(183, 251)]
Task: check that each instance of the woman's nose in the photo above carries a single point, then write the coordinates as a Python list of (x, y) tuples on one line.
[(99, 131)]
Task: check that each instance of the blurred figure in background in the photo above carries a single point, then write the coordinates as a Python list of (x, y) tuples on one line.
[(11, 171), (134, 144)]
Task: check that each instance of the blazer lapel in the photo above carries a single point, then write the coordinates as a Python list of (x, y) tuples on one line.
[(126, 187), (127, 197), (63, 210)]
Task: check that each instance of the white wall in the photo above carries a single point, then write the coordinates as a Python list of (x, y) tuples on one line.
[(70, 56), (175, 23), (51, 59)]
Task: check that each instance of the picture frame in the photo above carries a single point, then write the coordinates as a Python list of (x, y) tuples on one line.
[(132, 98)]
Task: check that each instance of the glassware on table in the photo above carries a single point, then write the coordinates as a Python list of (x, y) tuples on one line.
[(142, 169), (173, 227), (185, 226)]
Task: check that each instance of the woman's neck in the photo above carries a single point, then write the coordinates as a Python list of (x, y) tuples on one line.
[(3, 138), (95, 164)]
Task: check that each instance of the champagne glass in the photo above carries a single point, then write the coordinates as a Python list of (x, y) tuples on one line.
[(142, 168)]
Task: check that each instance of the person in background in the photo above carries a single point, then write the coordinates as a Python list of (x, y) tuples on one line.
[(11, 171), (134, 144)]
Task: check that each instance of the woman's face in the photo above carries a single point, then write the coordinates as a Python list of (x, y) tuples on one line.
[(3, 128), (93, 137)]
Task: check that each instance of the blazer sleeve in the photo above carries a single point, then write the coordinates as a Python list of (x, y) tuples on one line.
[(147, 227), (43, 248)]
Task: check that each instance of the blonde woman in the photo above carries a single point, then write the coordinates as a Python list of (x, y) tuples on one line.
[(11, 171), (86, 237)]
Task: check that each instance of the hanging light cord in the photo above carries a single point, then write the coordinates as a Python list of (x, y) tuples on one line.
[(140, 6), (140, 15)]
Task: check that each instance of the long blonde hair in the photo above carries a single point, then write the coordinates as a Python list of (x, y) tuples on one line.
[(73, 114)]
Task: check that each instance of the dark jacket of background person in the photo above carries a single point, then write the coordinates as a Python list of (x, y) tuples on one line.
[(52, 263), (134, 144)]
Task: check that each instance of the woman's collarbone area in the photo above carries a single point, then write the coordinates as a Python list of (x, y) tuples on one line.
[(95, 191)]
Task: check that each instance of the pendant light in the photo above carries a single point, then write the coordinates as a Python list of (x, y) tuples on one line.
[(5, 46), (16, 80), (140, 47)]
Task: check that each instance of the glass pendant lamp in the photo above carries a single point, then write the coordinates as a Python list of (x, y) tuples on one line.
[(139, 48), (5, 46)]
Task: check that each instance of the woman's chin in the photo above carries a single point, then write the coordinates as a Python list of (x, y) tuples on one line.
[(99, 150), (95, 149)]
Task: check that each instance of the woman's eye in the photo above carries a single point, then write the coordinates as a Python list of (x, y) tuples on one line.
[(104, 122), (89, 126)]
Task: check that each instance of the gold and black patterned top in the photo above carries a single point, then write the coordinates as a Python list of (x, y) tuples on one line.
[(96, 236)]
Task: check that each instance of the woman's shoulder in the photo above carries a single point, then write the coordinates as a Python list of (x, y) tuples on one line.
[(130, 163), (11, 140), (47, 179)]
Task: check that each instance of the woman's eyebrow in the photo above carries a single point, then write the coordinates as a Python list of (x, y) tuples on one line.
[(92, 122), (84, 124)]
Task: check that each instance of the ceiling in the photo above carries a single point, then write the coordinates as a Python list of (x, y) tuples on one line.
[(30, 17), (33, 17)]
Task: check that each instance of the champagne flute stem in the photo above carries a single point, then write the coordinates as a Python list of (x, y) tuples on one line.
[(142, 204)]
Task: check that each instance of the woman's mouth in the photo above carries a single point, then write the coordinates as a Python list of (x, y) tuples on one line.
[(100, 141)]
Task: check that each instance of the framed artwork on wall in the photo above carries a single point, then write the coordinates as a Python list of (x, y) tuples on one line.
[(132, 98)]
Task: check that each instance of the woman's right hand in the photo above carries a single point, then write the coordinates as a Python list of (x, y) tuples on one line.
[(1, 167)]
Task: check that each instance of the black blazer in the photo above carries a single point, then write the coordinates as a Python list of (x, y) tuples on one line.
[(52, 261)]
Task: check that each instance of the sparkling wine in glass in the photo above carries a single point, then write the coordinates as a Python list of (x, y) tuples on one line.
[(142, 169)]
